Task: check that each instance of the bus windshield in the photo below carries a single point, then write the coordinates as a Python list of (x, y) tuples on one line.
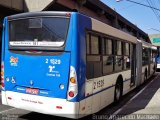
[(38, 32)]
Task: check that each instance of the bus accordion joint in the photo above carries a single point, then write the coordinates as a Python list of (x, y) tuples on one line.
[(73, 87)]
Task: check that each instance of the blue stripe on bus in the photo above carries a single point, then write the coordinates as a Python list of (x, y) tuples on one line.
[(100, 91)]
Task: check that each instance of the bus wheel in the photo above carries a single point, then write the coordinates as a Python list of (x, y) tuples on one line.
[(118, 91)]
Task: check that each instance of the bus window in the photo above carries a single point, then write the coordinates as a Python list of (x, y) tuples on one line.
[(38, 32), (108, 57), (126, 52), (94, 45), (119, 48), (126, 49), (153, 56), (94, 63), (145, 57), (108, 46), (118, 60)]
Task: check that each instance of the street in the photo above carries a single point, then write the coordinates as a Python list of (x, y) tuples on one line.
[(143, 100)]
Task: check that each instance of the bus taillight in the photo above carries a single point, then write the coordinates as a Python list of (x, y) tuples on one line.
[(2, 82), (71, 94), (73, 86), (72, 80), (2, 75)]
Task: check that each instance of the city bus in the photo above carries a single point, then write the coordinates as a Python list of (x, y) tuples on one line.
[(68, 64)]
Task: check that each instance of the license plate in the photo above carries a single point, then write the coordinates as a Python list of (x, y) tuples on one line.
[(32, 91)]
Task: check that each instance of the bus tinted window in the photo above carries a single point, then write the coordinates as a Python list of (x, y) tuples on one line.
[(45, 31), (108, 47), (119, 48), (108, 57), (126, 48), (145, 56), (126, 52), (94, 45), (118, 59)]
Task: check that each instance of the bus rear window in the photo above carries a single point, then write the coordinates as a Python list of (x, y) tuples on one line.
[(38, 32)]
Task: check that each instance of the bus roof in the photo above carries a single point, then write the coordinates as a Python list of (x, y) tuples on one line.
[(35, 14)]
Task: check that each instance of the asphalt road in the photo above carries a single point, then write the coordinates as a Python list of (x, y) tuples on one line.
[(142, 100)]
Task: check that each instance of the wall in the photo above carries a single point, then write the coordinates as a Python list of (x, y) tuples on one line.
[(36, 5), (15, 4)]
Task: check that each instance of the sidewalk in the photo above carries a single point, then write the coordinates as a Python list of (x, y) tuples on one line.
[(147, 102)]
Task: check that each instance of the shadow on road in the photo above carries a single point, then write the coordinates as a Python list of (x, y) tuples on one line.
[(38, 116)]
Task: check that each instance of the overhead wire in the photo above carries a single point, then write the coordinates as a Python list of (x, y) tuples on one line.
[(152, 4), (129, 6)]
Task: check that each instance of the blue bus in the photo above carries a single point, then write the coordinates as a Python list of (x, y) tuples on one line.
[(68, 64)]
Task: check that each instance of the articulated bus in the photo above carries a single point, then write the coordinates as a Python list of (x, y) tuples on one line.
[(68, 64)]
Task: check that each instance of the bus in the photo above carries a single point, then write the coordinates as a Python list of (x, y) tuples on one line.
[(68, 64)]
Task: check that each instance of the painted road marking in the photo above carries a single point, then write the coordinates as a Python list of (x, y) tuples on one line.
[(7, 110)]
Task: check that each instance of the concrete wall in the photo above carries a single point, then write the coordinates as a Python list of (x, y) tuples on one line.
[(26, 5), (15, 4), (36, 5)]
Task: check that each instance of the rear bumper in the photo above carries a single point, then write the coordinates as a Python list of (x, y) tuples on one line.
[(41, 104)]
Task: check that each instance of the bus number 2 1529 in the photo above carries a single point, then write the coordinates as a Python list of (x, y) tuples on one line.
[(98, 84)]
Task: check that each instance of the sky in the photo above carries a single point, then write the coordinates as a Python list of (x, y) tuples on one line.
[(142, 16)]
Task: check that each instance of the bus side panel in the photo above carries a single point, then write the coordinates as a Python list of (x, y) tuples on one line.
[(83, 25)]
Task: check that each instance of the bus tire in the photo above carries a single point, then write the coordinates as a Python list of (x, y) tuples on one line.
[(118, 91)]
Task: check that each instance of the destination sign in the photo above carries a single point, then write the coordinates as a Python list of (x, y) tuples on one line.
[(156, 40)]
